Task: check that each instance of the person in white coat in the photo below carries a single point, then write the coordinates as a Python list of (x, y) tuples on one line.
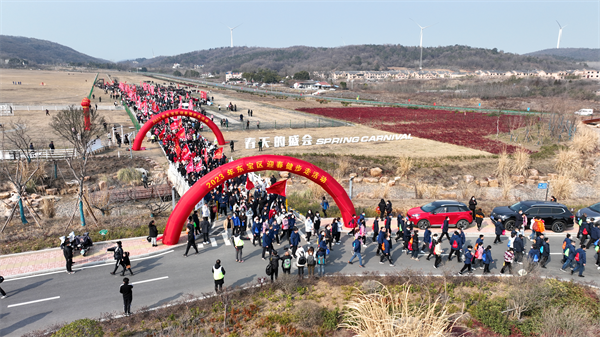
[(300, 261), (308, 227)]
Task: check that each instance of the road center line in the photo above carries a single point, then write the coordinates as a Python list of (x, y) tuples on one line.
[(151, 280), (36, 301)]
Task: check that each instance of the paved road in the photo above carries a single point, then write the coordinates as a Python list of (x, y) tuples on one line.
[(38, 301)]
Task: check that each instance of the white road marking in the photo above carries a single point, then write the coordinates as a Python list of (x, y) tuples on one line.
[(151, 280), (226, 239), (88, 267), (36, 301), (213, 242)]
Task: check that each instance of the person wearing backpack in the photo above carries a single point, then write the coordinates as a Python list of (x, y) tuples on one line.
[(538, 226), (301, 262), (478, 256), (487, 259), (565, 243), (321, 260), (311, 261), (519, 249), (455, 246), (534, 255), (286, 262), (569, 255), (273, 266), (445, 229), (432, 243), (508, 260), (584, 227), (594, 235), (468, 261), (356, 249), (380, 239), (385, 247), (580, 259)]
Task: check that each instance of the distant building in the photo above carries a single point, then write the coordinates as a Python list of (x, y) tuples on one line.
[(230, 75), (176, 66)]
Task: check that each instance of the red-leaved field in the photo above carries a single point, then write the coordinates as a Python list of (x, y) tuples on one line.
[(466, 129)]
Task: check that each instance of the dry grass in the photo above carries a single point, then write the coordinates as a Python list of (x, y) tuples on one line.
[(130, 175), (562, 187), (467, 190), (521, 162), (567, 162), (432, 191), (585, 139), (343, 165), (48, 208), (504, 167), (385, 314), (570, 321), (314, 191), (405, 164), (382, 192), (506, 184), (420, 189)]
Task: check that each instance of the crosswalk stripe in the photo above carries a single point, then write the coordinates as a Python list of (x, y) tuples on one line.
[(213, 242), (226, 239)]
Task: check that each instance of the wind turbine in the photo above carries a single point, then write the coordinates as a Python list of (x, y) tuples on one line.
[(231, 31), (560, 28), (421, 43)]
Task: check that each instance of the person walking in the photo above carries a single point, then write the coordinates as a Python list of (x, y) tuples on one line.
[(468, 261), (311, 261), (127, 291), (286, 262), (2, 292), (126, 263), (479, 218), (117, 255), (295, 241), (434, 241), (569, 256), (238, 243), (301, 262), (68, 254), (266, 244), (437, 252), (196, 221), (308, 228), (321, 259), (51, 146), (274, 262), (205, 227), (478, 256), (519, 249), (385, 248), (231, 146), (414, 246), (473, 206), (191, 238), (487, 259), (499, 230), (580, 259), (594, 235), (455, 246), (545, 251), (508, 260), (445, 226), (219, 276), (356, 251), (324, 206), (152, 233)]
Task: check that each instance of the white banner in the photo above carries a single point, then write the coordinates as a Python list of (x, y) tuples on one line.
[(307, 140)]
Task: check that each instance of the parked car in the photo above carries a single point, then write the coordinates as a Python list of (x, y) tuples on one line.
[(592, 212), (434, 213), (556, 216)]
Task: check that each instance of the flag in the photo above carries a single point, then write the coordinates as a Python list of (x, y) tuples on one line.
[(218, 153), (278, 188), (185, 153), (249, 184), (162, 134), (199, 167), (181, 133), (190, 167)]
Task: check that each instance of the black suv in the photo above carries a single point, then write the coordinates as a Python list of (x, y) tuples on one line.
[(556, 216)]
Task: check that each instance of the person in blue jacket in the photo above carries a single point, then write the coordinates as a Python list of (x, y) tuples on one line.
[(455, 246), (487, 259), (223, 203), (295, 241), (594, 235), (445, 229), (499, 229), (401, 223), (468, 261), (266, 244), (256, 228), (566, 242), (356, 249), (380, 239), (585, 230), (386, 250), (580, 259), (519, 248), (569, 256), (426, 240), (236, 223), (375, 229), (463, 238), (534, 255), (276, 229)]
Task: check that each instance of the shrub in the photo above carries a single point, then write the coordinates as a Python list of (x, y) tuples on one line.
[(405, 164), (567, 162), (521, 162), (585, 139), (489, 313), (129, 175), (562, 187), (48, 208), (569, 321), (80, 328), (331, 318)]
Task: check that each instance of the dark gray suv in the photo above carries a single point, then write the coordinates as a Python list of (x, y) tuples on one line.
[(557, 217)]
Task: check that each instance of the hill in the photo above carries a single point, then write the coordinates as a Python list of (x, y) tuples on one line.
[(41, 51), (579, 54), (357, 57)]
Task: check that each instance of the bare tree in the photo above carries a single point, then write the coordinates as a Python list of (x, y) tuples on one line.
[(70, 125), (102, 201), (21, 171)]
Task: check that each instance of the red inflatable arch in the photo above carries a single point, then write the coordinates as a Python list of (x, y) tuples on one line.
[(250, 164), (137, 143)]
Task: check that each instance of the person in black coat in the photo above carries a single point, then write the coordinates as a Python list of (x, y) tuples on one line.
[(127, 291), (152, 233), (68, 253), (381, 206), (191, 239), (473, 206), (499, 230), (117, 255), (205, 226)]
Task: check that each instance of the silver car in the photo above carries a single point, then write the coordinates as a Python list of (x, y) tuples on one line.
[(592, 212)]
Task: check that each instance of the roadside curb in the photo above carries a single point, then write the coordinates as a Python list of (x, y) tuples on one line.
[(91, 264)]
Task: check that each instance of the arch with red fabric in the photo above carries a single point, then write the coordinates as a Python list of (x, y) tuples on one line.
[(137, 143), (241, 166)]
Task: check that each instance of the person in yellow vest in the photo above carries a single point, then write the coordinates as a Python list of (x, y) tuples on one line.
[(238, 243), (219, 276)]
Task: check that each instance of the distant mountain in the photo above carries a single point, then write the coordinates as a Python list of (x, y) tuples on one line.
[(579, 54), (289, 60), (41, 51)]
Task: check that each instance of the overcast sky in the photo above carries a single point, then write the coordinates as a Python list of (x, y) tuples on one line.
[(118, 30)]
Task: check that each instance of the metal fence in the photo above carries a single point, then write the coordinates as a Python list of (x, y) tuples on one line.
[(281, 124)]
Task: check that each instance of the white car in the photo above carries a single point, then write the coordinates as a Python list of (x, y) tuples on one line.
[(584, 112)]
